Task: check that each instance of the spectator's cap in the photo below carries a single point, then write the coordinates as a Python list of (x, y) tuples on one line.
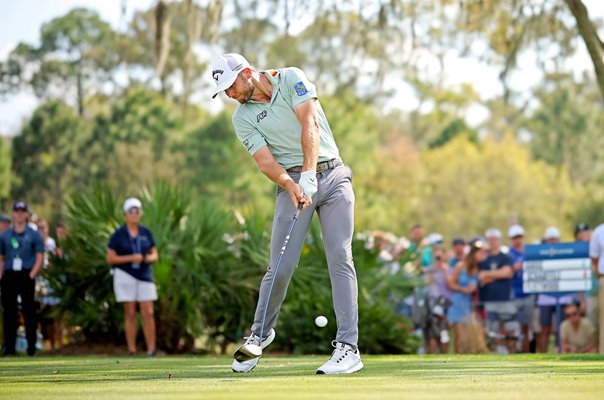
[(581, 227), (493, 233), (551, 233), (435, 238), (458, 240), (225, 70), (132, 202), (5, 218), (515, 231), (20, 206), (477, 243)]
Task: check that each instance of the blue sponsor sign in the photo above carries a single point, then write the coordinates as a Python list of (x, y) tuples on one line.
[(557, 268)]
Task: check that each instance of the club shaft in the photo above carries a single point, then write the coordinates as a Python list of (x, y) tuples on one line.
[(276, 270)]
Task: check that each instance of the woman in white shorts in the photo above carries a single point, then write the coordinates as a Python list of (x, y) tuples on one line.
[(130, 252)]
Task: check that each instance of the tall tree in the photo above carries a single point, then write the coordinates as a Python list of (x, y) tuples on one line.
[(45, 154), (595, 45), (5, 170), (75, 57)]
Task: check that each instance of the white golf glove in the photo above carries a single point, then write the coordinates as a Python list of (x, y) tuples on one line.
[(308, 183)]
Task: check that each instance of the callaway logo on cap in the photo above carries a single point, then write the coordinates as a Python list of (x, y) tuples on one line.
[(225, 70)]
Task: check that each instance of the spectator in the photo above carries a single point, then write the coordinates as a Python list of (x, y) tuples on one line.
[(495, 292), (577, 333), (459, 251), (596, 252), (583, 234), (547, 304), (4, 222), (525, 302), (50, 322), (439, 298), (463, 283), (21, 256), (131, 252), (421, 252), (61, 235)]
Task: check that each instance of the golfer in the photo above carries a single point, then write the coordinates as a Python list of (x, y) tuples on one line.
[(130, 252), (282, 125)]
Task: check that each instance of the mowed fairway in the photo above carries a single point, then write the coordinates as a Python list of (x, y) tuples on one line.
[(546, 377)]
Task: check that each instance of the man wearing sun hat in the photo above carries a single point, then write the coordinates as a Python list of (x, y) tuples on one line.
[(21, 256)]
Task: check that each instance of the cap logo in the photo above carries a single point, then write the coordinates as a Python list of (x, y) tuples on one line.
[(237, 68), (216, 73)]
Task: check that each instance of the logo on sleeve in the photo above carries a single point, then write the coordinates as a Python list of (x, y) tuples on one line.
[(247, 144), (261, 116), (300, 89)]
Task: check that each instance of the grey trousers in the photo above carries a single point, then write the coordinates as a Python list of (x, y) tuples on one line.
[(334, 203)]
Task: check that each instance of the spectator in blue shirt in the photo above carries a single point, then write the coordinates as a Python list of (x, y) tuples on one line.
[(458, 247), (21, 256), (525, 302), (496, 289), (130, 252), (4, 222)]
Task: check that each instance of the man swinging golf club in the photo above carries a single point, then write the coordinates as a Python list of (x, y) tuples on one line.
[(282, 125)]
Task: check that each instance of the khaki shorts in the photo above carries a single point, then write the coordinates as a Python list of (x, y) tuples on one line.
[(127, 288)]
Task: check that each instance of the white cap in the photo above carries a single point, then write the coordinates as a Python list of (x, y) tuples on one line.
[(435, 238), (515, 230), (225, 70), (551, 233), (493, 233), (131, 203)]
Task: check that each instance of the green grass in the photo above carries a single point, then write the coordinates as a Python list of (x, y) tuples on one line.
[(547, 377)]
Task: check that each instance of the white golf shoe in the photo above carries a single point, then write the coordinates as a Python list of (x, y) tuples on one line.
[(344, 360), (248, 365)]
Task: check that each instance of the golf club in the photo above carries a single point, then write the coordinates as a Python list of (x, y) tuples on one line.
[(250, 351)]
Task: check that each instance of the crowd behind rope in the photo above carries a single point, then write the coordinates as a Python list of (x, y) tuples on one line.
[(470, 297)]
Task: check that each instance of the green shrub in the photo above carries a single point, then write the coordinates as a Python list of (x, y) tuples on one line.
[(208, 275)]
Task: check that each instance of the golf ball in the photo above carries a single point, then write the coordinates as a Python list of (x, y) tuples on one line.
[(321, 321)]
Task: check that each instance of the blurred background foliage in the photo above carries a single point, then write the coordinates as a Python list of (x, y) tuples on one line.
[(123, 108), (208, 275)]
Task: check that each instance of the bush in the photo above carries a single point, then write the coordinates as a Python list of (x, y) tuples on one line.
[(211, 263)]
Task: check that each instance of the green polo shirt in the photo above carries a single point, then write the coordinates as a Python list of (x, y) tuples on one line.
[(275, 125)]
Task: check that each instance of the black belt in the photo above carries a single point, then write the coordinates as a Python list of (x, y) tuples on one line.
[(322, 166)]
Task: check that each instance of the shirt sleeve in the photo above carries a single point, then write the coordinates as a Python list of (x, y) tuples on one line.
[(589, 328), (113, 241), (38, 243), (151, 240), (247, 133), (298, 87), (594, 245), (2, 246)]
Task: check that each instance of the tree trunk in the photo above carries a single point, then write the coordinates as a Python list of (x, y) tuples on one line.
[(162, 41), (590, 36)]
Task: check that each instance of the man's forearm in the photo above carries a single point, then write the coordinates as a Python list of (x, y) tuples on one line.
[(277, 174), (38, 265), (311, 134), (310, 145)]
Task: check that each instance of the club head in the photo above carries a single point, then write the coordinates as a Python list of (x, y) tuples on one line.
[(245, 353)]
